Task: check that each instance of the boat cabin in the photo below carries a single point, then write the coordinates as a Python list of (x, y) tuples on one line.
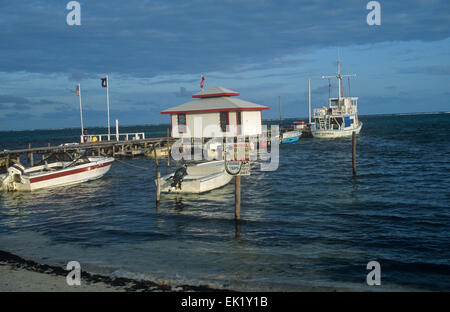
[(341, 114)]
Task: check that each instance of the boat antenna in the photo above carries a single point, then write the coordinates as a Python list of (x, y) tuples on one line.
[(349, 90)]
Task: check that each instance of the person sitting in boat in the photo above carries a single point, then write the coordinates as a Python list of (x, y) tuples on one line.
[(178, 176)]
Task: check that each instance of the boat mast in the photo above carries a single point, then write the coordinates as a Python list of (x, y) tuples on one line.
[(279, 107), (339, 78), (309, 99)]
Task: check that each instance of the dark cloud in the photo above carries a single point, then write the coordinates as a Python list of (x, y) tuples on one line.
[(184, 93), (76, 75), (428, 70), (19, 103), (147, 38), (12, 99)]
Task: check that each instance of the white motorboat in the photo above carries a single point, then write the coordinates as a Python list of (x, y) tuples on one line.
[(340, 119), (196, 179), (63, 170)]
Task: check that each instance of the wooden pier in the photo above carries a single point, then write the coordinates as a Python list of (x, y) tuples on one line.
[(125, 148)]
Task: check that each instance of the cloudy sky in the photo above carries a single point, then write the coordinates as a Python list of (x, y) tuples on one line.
[(156, 51)]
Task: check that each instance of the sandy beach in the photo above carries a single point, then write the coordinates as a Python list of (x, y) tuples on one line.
[(20, 275), (16, 279)]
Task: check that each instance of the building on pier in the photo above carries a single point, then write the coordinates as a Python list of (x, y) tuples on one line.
[(216, 112)]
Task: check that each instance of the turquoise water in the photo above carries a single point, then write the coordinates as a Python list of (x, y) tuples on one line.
[(308, 224)]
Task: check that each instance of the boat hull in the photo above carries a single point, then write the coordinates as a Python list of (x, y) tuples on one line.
[(69, 176), (214, 176), (290, 137), (290, 140), (331, 134)]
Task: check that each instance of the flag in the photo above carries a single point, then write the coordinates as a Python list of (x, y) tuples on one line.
[(77, 90), (104, 82), (202, 82)]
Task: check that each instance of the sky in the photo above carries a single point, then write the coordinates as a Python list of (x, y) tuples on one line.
[(155, 52)]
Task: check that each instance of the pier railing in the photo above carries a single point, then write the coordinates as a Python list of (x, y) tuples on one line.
[(88, 138)]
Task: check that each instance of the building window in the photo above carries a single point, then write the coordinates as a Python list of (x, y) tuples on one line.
[(224, 121), (181, 123)]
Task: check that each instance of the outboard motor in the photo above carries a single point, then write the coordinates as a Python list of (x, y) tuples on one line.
[(15, 173), (178, 176), (16, 169)]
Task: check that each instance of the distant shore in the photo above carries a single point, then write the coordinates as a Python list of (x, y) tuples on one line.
[(18, 274)]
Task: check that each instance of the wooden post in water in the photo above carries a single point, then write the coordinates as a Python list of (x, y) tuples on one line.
[(237, 197), (7, 162), (168, 148), (158, 176), (354, 152), (30, 156)]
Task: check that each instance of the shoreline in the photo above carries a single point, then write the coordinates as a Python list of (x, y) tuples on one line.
[(19, 274)]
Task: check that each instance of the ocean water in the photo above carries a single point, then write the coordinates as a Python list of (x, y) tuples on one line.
[(308, 224)]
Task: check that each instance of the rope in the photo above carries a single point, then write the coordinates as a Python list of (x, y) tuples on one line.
[(125, 163)]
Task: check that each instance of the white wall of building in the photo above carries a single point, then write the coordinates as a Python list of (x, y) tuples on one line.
[(208, 124), (251, 121)]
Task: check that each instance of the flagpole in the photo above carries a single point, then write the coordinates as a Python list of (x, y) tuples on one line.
[(81, 114), (107, 106)]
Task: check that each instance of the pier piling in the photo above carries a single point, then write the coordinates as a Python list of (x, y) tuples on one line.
[(354, 152), (168, 148), (158, 175), (237, 197), (30, 156)]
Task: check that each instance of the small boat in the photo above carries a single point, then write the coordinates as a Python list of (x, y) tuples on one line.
[(199, 178), (290, 137), (64, 170), (160, 152)]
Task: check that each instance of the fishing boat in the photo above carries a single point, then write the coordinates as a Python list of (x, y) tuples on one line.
[(340, 118), (56, 170), (290, 137), (198, 178)]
